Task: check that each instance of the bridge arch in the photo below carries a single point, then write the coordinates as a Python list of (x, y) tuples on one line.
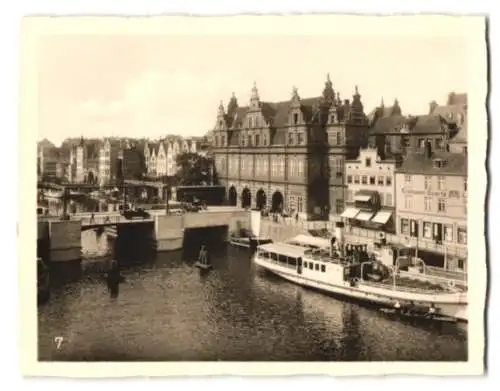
[(277, 202), (246, 198), (261, 199), (232, 196)]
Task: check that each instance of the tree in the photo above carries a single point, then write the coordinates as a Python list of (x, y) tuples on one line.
[(194, 169)]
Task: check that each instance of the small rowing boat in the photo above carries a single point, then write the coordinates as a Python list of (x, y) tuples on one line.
[(409, 314)]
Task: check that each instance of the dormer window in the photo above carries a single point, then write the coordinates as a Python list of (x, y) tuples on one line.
[(439, 163), (368, 162), (295, 118), (290, 139), (221, 123), (333, 118), (250, 122)]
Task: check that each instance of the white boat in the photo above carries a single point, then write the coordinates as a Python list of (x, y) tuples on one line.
[(333, 273), (250, 239), (248, 242)]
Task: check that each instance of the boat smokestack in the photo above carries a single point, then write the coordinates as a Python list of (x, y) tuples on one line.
[(339, 233)]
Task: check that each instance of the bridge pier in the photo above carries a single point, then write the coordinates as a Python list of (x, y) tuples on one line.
[(170, 230)]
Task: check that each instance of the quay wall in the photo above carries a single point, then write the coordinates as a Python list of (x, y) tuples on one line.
[(279, 232), (65, 240)]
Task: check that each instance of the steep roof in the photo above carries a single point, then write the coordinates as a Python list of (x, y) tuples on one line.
[(276, 114), (418, 163), (389, 124), (428, 124)]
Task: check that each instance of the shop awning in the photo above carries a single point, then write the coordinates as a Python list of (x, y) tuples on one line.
[(362, 197), (382, 217), (349, 213), (364, 216)]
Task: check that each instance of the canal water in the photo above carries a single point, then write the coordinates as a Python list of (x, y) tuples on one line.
[(167, 310)]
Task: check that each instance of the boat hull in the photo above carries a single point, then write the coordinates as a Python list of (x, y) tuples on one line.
[(248, 242), (369, 294)]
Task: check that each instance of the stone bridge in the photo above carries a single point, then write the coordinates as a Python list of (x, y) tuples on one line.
[(63, 237)]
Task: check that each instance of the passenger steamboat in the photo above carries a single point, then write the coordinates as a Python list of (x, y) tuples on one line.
[(309, 262)]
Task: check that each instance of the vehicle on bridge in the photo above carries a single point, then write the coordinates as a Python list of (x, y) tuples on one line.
[(130, 211)]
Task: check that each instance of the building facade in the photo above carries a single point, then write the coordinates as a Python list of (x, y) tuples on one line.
[(161, 156), (370, 195), (109, 151), (84, 161), (288, 156), (431, 205)]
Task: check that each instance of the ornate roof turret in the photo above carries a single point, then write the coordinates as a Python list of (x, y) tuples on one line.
[(328, 92)]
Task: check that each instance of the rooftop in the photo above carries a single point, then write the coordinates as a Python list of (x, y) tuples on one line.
[(418, 163)]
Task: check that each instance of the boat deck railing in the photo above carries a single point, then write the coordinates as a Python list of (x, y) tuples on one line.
[(399, 287)]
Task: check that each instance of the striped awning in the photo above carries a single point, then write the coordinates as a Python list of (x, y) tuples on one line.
[(382, 217), (364, 216), (350, 213)]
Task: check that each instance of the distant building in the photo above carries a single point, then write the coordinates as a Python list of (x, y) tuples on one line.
[(132, 163), (84, 161), (161, 156), (109, 152), (456, 116), (370, 200), (395, 134), (431, 207)]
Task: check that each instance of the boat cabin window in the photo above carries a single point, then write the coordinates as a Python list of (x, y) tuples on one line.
[(311, 265), (305, 264), (323, 268), (279, 258), (316, 266)]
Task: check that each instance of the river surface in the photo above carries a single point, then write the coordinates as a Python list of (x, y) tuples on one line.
[(166, 310)]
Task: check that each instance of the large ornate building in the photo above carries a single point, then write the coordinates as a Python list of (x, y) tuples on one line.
[(289, 155)]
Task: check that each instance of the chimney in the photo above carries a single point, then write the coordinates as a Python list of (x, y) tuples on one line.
[(432, 106), (428, 150)]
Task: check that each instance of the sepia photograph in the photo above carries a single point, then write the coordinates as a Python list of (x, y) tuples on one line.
[(300, 196)]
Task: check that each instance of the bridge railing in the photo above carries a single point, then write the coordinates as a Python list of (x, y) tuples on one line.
[(101, 220)]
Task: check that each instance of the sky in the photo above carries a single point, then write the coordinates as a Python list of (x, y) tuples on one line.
[(150, 86)]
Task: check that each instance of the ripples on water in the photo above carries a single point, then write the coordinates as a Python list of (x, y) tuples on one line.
[(167, 310)]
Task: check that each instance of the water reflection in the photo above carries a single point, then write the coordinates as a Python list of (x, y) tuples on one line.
[(167, 310)]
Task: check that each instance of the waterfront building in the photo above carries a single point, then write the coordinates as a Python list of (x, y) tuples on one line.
[(370, 196), (289, 156), (431, 205)]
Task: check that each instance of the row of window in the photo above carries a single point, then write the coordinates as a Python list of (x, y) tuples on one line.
[(296, 204), (370, 180), (335, 138), (431, 204), (314, 266), (435, 231), (290, 261), (429, 181)]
